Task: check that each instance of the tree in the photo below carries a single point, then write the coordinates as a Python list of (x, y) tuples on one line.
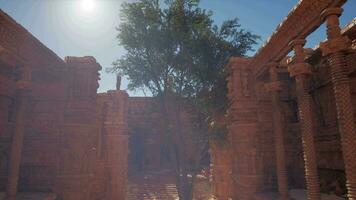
[(174, 50)]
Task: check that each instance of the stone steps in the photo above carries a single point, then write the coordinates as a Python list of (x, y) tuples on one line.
[(33, 196), (152, 186), (297, 194)]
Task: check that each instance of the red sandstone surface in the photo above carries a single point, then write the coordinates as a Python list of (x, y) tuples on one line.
[(286, 114)]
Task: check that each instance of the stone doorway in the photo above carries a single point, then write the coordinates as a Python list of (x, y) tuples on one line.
[(147, 150), (149, 163)]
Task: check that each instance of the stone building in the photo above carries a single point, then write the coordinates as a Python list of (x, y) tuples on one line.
[(291, 118), (57, 135)]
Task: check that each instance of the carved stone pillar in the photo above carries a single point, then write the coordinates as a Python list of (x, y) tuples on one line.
[(221, 163), (244, 130), (78, 135), (300, 71), (221, 171), (23, 89), (274, 87), (101, 179), (335, 48), (116, 137)]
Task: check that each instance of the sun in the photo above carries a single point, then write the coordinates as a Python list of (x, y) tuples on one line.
[(87, 5)]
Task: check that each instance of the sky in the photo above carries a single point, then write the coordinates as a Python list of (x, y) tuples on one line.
[(79, 28)]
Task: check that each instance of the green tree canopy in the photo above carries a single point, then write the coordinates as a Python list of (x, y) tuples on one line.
[(177, 38)]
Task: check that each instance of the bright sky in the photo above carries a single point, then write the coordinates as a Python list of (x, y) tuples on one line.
[(87, 27)]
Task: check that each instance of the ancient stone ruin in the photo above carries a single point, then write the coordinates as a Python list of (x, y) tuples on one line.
[(291, 119), (57, 134), (290, 114)]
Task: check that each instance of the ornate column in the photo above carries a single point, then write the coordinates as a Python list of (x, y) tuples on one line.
[(244, 130), (335, 48), (300, 70), (23, 89), (116, 138), (221, 163), (274, 87)]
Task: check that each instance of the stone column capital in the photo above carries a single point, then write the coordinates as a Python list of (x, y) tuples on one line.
[(299, 69), (337, 11), (336, 41), (334, 45), (297, 46), (297, 43)]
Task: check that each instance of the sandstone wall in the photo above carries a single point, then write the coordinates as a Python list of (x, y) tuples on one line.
[(64, 122), (39, 168)]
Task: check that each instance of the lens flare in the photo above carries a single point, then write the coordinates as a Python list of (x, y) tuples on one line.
[(87, 5)]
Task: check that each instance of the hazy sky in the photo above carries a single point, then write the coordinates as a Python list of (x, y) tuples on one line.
[(69, 27)]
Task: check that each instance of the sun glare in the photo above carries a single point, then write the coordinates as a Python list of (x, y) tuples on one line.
[(87, 5)]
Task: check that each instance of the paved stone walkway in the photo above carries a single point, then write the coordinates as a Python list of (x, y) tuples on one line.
[(302, 195), (297, 194), (33, 196), (152, 186), (161, 186)]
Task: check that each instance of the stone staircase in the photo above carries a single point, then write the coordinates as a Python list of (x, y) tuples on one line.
[(32, 196), (152, 186)]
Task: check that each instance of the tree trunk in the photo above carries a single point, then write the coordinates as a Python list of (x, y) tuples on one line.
[(170, 141), (176, 145), (171, 110), (186, 184)]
